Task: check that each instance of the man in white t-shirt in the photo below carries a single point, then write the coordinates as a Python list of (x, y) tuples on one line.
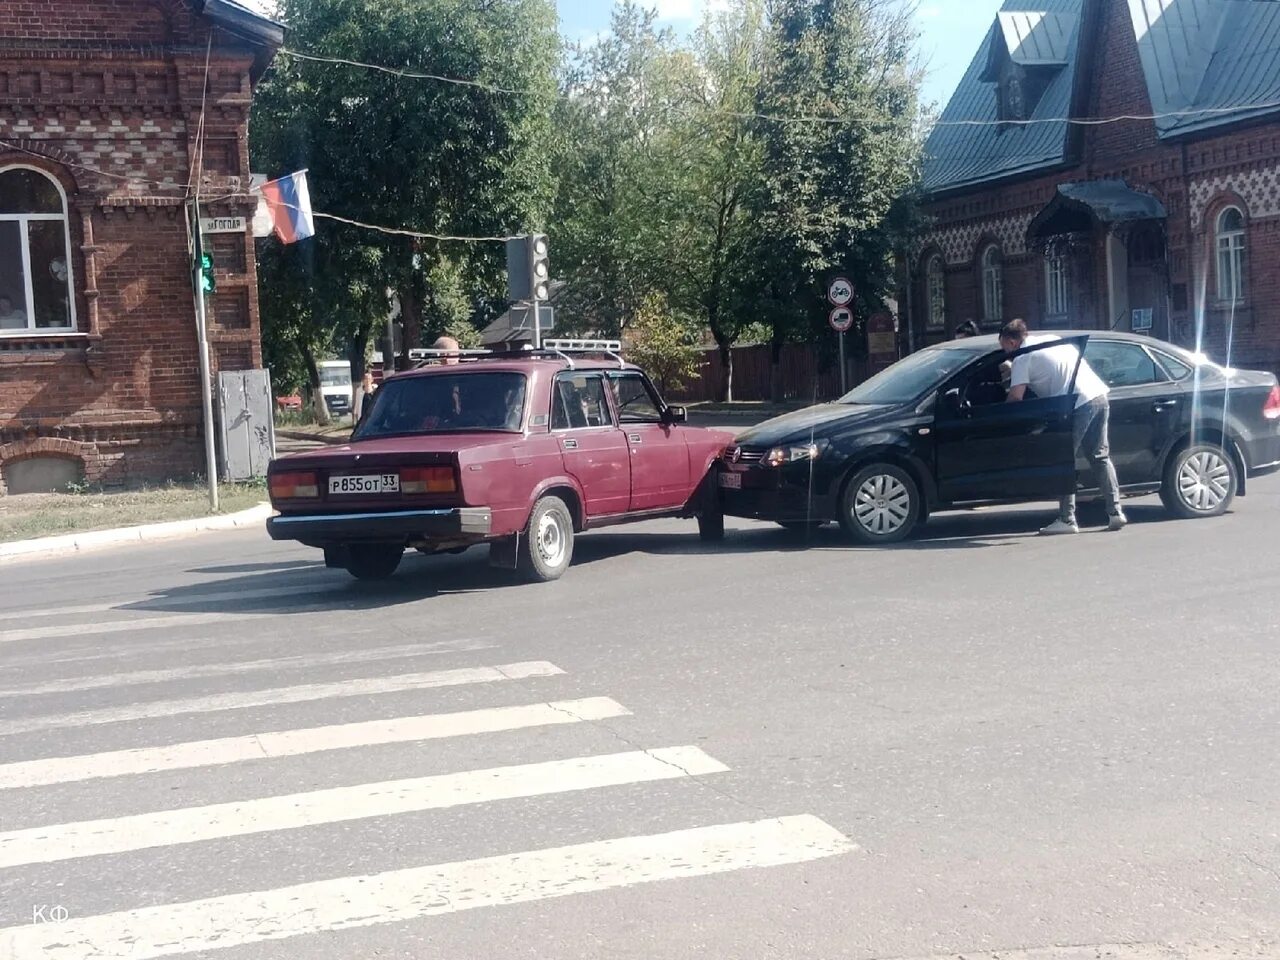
[(1048, 374)]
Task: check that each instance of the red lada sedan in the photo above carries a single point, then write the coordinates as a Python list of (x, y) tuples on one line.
[(521, 451)]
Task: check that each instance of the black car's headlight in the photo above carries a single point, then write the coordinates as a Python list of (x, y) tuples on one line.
[(794, 453)]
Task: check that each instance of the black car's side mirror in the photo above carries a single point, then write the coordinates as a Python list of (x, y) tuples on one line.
[(675, 415)]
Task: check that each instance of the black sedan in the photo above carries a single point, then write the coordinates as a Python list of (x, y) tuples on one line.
[(933, 432)]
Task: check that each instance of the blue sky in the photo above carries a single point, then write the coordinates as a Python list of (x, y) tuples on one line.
[(950, 31)]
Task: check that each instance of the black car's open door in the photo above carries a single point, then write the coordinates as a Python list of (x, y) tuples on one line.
[(1005, 451)]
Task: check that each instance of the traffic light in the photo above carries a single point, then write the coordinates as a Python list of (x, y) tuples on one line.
[(540, 266), (208, 283), (528, 269)]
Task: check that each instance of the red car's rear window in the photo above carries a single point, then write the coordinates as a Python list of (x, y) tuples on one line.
[(446, 403)]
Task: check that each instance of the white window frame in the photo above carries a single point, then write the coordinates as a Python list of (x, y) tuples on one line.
[(1231, 249), (935, 282), (1057, 283), (992, 285), (24, 220)]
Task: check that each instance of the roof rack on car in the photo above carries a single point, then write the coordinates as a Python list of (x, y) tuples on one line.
[(610, 348), (426, 356)]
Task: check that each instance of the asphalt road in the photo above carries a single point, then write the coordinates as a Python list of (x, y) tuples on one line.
[(981, 742)]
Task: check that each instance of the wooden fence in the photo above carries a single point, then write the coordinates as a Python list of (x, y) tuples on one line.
[(803, 377)]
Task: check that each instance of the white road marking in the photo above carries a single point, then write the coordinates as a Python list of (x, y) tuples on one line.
[(399, 895), (93, 838), (281, 695), (297, 662), (1226, 950), (123, 626), (293, 743), (169, 601)]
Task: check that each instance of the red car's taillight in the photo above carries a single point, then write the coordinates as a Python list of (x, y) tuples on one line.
[(428, 480), (293, 486), (1271, 409)]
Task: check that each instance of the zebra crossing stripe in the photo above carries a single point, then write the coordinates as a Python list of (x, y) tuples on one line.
[(171, 601), (293, 743), (100, 681), (281, 695), (408, 894), (92, 838)]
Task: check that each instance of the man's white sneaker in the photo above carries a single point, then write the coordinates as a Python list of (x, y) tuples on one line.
[(1118, 521), (1058, 527)]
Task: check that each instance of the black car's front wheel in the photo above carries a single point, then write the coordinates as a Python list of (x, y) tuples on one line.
[(1200, 481), (880, 504)]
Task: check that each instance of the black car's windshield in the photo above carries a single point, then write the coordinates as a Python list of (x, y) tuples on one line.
[(912, 377), (446, 403)]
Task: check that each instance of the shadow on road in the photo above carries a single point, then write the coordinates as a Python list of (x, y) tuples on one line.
[(297, 586)]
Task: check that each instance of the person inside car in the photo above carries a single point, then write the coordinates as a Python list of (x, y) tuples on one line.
[(1048, 372)]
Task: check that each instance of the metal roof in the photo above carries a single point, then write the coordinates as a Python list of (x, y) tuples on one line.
[(964, 155), (1035, 38), (1200, 59), (1108, 201)]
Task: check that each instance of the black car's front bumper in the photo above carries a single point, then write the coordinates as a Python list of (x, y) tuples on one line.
[(769, 493), (318, 529)]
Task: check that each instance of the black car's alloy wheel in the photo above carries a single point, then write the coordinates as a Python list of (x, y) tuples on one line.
[(1200, 481), (881, 504), (373, 561)]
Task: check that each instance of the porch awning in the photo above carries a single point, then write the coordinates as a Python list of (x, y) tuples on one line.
[(1097, 201)]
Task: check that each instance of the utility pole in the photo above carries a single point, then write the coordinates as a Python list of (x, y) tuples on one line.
[(202, 336)]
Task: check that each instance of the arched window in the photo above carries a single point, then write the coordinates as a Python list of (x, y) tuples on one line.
[(992, 285), (35, 254), (936, 290), (1231, 255)]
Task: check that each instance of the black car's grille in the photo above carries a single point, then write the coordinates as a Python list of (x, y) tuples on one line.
[(744, 455)]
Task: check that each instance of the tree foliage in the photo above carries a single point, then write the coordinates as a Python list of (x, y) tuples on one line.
[(391, 150), (735, 174), (661, 343)]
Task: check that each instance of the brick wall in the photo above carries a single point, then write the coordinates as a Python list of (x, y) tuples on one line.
[(105, 96), (1193, 177)]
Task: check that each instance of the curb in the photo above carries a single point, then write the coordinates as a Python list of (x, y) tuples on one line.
[(73, 543)]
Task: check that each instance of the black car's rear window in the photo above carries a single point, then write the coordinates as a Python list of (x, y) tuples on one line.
[(912, 377), (446, 403)]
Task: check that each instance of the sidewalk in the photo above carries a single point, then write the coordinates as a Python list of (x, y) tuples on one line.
[(74, 543)]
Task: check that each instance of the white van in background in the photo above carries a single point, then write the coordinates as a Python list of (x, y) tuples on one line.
[(335, 384)]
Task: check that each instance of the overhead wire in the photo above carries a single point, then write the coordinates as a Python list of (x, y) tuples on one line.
[(194, 184)]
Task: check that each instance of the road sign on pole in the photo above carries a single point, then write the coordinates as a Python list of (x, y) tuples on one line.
[(841, 319), (840, 292)]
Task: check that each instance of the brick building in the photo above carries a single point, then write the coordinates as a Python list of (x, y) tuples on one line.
[(102, 106), (1169, 225)]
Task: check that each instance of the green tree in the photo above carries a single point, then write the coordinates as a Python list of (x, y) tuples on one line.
[(713, 161), (385, 149), (662, 344), (610, 223), (829, 198)]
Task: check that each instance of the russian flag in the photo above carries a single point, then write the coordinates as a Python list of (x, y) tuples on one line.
[(289, 203)]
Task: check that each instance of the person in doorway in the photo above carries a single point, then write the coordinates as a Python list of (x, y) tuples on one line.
[(1048, 373), (10, 317), (966, 330)]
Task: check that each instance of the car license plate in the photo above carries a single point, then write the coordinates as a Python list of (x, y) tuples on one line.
[(364, 483), (731, 481)]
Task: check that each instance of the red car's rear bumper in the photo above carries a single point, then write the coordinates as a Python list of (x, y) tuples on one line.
[(318, 529)]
